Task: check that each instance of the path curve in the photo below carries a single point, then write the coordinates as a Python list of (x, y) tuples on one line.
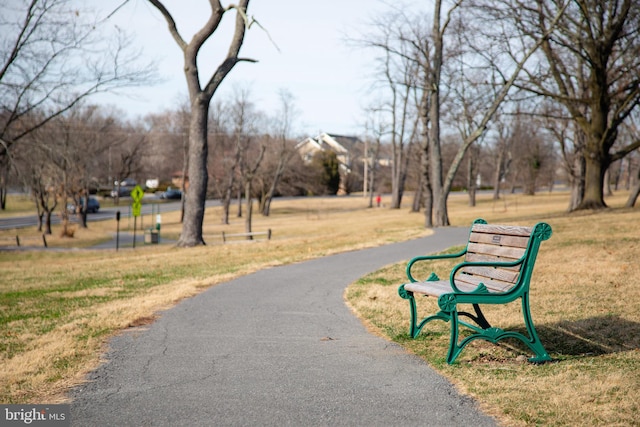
[(274, 348)]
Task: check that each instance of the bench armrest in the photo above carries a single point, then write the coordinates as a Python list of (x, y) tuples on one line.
[(430, 258), (462, 265)]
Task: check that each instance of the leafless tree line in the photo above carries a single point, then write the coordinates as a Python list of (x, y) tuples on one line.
[(509, 88), (506, 84), (89, 148), (54, 55)]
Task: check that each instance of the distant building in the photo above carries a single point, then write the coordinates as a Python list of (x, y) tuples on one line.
[(346, 148)]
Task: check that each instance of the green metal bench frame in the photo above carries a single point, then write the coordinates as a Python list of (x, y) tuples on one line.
[(497, 268)]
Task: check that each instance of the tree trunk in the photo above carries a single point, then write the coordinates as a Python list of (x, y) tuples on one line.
[(272, 190), (4, 175), (576, 186), (200, 99), (417, 197), (593, 184), (428, 204), (439, 196), (606, 189), (198, 175), (47, 223), (226, 204), (635, 191), (471, 175), (247, 220), (497, 175)]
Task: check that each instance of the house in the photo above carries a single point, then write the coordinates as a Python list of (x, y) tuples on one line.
[(346, 148)]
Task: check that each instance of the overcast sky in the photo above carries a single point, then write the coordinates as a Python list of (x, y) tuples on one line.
[(328, 78)]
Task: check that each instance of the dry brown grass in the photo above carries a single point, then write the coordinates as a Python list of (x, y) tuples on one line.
[(57, 308), (585, 304)]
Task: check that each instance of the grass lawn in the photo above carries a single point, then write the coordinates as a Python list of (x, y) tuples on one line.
[(59, 307), (585, 302)]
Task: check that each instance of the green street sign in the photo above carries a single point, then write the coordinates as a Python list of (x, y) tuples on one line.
[(135, 208), (137, 194)]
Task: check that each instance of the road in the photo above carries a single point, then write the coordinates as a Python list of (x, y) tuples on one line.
[(103, 214)]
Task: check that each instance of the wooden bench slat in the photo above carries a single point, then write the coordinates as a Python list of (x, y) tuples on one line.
[(496, 251), (487, 258), (507, 230), (491, 284), (500, 274), (435, 288), (499, 239)]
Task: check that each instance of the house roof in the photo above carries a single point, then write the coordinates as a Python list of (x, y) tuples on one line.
[(340, 144), (347, 142)]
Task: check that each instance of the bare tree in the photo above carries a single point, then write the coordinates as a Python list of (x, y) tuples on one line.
[(127, 152), (248, 173), (376, 129), (397, 81), (501, 155), (38, 174), (52, 56), (200, 99), (533, 153), (481, 49), (592, 58), (283, 152), (243, 117), (571, 141)]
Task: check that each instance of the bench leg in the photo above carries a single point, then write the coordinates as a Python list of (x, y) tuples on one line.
[(534, 342), (449, 313), (478, 318), (496, 334), (414, 327), (454, 348)]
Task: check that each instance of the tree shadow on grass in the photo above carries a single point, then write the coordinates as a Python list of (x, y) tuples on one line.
[(590, 337)]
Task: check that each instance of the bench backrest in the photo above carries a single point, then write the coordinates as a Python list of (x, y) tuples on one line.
[(490, 243)]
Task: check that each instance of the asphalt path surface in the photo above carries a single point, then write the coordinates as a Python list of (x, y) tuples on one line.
[(275, 348)]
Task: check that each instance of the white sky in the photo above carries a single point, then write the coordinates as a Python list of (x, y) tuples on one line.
[(328, 78)]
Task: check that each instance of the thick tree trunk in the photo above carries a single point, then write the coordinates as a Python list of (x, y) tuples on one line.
[(198, 176), (593, 184), (439, 194)]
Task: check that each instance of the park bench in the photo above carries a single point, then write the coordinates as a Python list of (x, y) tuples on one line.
[(248, 236), (497, 267)]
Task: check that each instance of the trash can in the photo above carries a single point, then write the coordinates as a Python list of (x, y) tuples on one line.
[(151, 236)]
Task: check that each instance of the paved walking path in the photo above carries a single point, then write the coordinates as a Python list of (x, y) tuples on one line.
[(274, 348)]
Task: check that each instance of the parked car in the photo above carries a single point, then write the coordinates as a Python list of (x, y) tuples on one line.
[(121, 192), (93, 206), (171, 193)]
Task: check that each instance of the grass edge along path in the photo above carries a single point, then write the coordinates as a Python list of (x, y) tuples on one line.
[(59, 307), (585, 302), (80, 298)]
